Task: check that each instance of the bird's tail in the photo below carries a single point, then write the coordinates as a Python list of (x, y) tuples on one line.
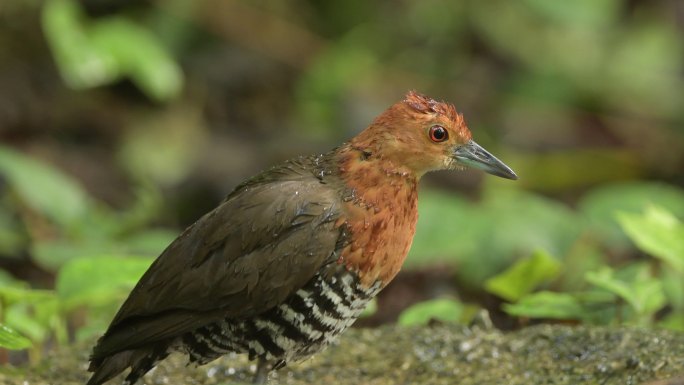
[(140, 361)]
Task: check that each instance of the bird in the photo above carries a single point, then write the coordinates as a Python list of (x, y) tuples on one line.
[(292, 256)]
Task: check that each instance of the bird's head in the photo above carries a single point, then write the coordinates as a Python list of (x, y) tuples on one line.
[(425, 135)]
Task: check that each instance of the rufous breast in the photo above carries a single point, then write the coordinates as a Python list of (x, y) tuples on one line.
[(380, 215)]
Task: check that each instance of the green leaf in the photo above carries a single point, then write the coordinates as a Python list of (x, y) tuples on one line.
[(80, 64), (16, 294), (44, 188), (641, 291), (442, 309), (439, 214), (98, 281), (547, 304), (178, 135), (604, 278), (53, 254), (139, 55), (600, 205), (656, 232), (484, 239), (674, 321), (92, 53), (673, 286), (23, 319), (31, 312), (7, 279), (11, 339), (524, 276), (150, 242)]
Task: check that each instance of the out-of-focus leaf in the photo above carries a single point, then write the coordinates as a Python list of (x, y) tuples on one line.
[(93, 281), (547, 304), (650, 44), (146, 207), (15, 294), (139, 55), (32, 312), (600, 205), (80, 64), (658, 233), (484, 238), (524, 276), (150, 243), (11, 339), (585, 255), (674, 321), (443, 309), (96, 325), (22, 317), (511, 223), (51, 255), (13, 237), (673, 286), (102, 51), (440, 228), (604, 279), (44, 188), (6, 279), (643, 292), (322, 88), (177, 137)]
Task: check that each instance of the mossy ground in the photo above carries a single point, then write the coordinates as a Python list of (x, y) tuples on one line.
[(438, 354)]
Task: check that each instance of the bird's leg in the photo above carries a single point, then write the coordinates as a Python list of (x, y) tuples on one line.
[(261, 375)]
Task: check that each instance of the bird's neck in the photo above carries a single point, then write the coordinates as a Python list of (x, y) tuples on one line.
[(368, 173), (381, 213)]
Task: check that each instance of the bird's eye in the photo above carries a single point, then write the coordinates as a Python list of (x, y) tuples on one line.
[(438, 134)]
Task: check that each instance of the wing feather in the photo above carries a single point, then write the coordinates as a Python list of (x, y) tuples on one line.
[(263, 243)]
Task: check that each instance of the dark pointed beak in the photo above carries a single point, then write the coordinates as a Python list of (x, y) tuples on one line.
[(471, 154)]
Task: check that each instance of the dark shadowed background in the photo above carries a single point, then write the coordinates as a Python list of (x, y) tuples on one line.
[(122, 122)]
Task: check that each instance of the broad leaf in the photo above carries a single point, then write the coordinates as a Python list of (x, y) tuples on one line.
[(98, 281), (442, 309), (601, 204), (524, 276), (641, 291), (547, 304), (11, 339), (658, 233), (44, 188)]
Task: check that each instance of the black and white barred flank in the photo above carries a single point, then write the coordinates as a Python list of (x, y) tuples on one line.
[(304, 324)]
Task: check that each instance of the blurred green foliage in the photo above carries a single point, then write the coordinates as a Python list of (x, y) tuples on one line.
[(524, 276), (442, 309), (583, 99), (634, 293), (94, 251), (95, 53)]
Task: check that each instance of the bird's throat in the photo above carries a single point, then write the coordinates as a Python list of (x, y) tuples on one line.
[(380, 213)]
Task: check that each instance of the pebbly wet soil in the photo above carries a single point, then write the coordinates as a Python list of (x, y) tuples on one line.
[(437, 354)]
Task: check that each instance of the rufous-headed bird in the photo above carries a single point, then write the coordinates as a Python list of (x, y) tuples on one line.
[(292, 256)]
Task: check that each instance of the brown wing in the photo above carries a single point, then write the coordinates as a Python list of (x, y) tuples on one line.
[(246, 256)]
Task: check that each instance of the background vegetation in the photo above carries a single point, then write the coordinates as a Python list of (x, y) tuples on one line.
[(121, 122)]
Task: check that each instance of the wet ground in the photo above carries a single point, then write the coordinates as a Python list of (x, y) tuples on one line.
[(438, 354)]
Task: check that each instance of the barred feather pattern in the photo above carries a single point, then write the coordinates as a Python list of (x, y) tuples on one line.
[(304, 324)]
